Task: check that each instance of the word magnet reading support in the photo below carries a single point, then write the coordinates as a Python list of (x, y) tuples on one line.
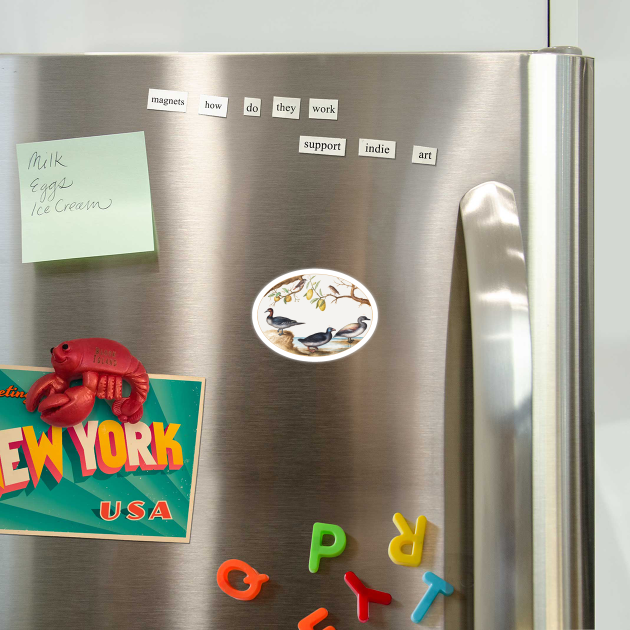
[(309, 623), (319, 550), (436, 586), (365, 595), (407, 537), (252, 577)]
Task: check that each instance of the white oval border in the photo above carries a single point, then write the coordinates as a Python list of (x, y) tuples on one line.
[(306, 359)]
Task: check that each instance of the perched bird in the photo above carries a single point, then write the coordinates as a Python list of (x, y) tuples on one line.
[(280, 322), (330, 286), (299, 285), (353, 330), (312, 342)]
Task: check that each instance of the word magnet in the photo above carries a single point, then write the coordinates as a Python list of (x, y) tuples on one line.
[(436, 586), (319, 551), (285, 107), (323, 108), (377, 148), (424, 155), (167, 100), (213, 106), (252, 577), (251, 106), (407, 537), (365, 595)]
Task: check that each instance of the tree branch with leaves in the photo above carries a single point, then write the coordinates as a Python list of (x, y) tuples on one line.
[(280, 292)]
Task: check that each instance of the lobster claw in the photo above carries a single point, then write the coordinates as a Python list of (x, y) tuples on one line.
[(68, 408), (128, 410), (43, 386)]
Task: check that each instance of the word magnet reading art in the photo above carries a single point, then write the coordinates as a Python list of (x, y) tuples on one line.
[(107, 452), (315, 315)]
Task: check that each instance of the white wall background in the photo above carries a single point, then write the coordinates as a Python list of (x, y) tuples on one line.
[(603, 30), (37, 26)]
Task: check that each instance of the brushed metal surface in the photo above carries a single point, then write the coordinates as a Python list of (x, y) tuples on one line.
[(560, 276), (284, 444), (502, 368)]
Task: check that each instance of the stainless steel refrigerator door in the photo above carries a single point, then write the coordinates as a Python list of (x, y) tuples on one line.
[(388, 429)]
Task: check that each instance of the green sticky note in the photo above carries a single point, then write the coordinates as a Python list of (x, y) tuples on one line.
[(85, 197)]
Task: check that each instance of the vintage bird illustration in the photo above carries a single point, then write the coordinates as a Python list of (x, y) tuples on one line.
[(330, 286), (280, 322), (353, 330), (299, 285), (314, 341)]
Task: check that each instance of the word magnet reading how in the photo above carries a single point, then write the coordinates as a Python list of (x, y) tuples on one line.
[(322, 146), (251, 106), (213, 105)]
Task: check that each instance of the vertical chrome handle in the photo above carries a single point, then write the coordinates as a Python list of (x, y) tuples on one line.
[(502, 373)]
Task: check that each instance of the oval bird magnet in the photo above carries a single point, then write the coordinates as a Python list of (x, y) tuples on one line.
[(315, 315)]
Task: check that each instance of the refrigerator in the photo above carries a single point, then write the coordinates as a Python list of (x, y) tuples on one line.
[(453, 192)]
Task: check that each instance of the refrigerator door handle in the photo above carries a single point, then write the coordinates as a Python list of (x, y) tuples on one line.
[(502, 374)]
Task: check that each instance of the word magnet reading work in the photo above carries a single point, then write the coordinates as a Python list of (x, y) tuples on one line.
[(252, 577), (319, 550), (407, 537)]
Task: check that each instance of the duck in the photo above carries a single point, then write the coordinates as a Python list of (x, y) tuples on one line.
[(353, 330), (280, 322), (312, 342)]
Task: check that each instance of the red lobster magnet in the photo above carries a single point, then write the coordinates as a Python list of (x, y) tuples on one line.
[(102, 364)]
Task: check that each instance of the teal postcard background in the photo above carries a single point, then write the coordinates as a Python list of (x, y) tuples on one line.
[(72, 505)]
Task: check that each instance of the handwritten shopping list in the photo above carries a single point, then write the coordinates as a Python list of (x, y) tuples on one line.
[(85, 197)]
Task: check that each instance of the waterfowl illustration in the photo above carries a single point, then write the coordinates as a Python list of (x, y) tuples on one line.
[(280, 322), (312, 342), (353, 330)]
